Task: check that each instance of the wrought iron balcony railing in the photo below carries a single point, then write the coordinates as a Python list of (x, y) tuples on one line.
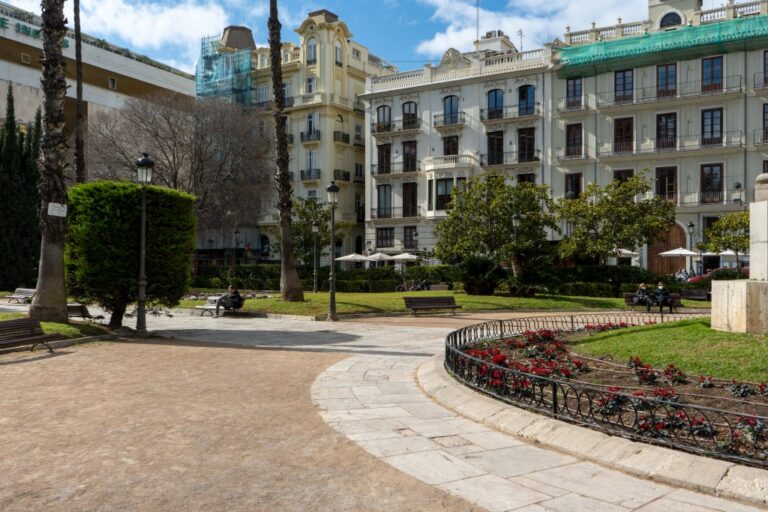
[(733, 139), (653, 94), (509, 158), (312, 136), (341, 137), (455, 119), (396, 213), (310, 174), (572, 104), (395, 168), (512, 112), (340, 175)]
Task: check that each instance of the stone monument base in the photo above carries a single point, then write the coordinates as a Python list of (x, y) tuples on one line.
[(740, 306)]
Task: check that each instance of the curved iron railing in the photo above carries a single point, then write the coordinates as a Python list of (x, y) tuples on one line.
[(723, 434)]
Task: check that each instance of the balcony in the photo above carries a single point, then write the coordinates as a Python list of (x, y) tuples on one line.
[(730, 84), (734, 139), (395, 168), (288, 101), (358, 106), (572, 104), (572, 152), (341, 137), (761, 136), (450, 162), (358, 141), (310, 175), (340, 175), (510, 113), (406, 125), (509, 158), (395, 213), (311, 62), (310, 136), (449, 120)]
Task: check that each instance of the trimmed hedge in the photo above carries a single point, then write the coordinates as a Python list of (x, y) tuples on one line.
[(586, 289)]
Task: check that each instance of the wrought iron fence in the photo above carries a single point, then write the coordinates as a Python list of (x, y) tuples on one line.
[(723, 434)]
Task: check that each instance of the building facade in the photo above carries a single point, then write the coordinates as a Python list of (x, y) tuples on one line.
[(110, 74), (679, 97), (323, 77)]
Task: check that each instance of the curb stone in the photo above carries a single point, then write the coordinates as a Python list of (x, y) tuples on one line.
[(720, 478), (65, 343)]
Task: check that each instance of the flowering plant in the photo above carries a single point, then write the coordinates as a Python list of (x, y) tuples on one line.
[(740, 390), (674, 375), (706, 382)]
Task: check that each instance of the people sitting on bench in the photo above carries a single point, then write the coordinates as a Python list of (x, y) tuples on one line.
[(643, 298), (662, 298), (231, 300)]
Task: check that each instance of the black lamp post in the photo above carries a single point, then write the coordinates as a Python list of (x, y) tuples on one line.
[(333, 200), (690, 227), (315, 262), (237, 244), (144, 167)]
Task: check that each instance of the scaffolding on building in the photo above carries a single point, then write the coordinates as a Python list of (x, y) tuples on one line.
[(223, 72)]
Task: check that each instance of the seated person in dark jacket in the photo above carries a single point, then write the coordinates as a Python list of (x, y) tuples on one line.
[(230, 300), (662, 297), (643, 297)]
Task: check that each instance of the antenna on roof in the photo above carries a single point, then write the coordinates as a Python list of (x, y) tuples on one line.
[(477, 18), (519, 33)]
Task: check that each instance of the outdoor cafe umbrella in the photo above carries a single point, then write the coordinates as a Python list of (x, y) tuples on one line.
[(352, 257), (405, 257), (679, 252), (625, 253), (731, 252), (379, 256)]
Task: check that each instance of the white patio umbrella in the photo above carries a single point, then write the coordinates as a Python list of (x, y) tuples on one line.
[(625, 253), (379, 256), (352, 257), (406, 256), (679, 252), (730, 252)]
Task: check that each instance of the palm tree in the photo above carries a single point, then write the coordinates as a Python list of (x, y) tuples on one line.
[(50, 302), (80, 174), (290, 285)]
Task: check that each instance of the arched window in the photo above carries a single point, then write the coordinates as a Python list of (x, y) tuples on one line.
[(526, 100), (339, 54), (671, 19), (495, 104), (339, 118), (312, 51), (451, 109), (383, 118), (410, 115), (264, 242)]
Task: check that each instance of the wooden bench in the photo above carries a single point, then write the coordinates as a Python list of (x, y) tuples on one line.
[(76, 309), (210, 307), (675, 301), (24, 331), (21, 295), (427, 303)]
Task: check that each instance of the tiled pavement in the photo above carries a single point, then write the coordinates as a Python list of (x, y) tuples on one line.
[(372, 397)]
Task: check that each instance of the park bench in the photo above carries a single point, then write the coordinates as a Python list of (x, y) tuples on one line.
[(23, 332), (675, 301), (210, 307), (76, 309), (427, 303), (697, 294), (21, 295)]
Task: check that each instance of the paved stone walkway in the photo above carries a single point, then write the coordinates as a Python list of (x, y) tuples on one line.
[(373, 399)]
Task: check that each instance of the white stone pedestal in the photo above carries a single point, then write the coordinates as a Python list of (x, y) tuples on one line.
[(740, 306)]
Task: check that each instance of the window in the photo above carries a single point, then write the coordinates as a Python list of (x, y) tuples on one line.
[(262, 60), (527, 177), (495, 104), (311, 51), (451, 110), (765, 70), (495, 148), (311, 84), (410, 237), (765, 166), (338, 51), (711, 74), (451, 145), (666, 80), (359, 210), (572, 185), (443, 196), (573, 141), (355, 54), (526, 145), (430, 189), (384, 152), (671, 19), (573, 93), (623, 135), (262, 93), (712, 127), (385, 237), (112, 83), (312, 194), (526, 100), (461, 183), (312, 160), (384, 203), (410, 162), (765, 125), (623, 85), (383, 118), (623, 175), (410, 116), (666, 183), (358, 170), (666, 131), (711, 183), (410, 200), (312, 122)]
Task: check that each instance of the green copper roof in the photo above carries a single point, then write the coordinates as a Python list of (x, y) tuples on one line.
[(660, 46)]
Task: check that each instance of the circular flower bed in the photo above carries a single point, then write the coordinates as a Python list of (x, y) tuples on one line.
[(535, 368)]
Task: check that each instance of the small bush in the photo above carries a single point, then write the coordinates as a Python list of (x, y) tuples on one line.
[(480, 275), (586, 289)]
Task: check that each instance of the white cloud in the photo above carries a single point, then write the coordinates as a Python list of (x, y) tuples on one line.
[(540, 21)]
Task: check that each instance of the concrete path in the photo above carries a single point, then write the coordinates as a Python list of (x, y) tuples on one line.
[(373, 399)]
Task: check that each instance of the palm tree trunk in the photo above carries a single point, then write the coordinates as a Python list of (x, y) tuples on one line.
[(80, 173), (290, 285), (50, 302)]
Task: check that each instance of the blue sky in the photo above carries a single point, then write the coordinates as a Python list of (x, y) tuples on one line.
[(407, 33)]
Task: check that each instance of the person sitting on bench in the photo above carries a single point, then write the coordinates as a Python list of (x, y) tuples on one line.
[(642, 297), (231, 300), (662, 298)]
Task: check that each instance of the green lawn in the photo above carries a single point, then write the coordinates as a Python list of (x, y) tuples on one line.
[(689, 344), (350, 303), (73, 330)]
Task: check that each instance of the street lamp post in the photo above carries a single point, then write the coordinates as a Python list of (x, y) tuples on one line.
[(237, 244), (333, 199), (690, 227), (144, 172), (315, 262)]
